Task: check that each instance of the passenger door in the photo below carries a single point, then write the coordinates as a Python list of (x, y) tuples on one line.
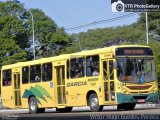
[(108, 80), (60, 84), (17, 90)]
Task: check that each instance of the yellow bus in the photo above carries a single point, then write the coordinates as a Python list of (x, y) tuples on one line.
[(117, 75)]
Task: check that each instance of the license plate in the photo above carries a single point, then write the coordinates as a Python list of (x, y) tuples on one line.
[(141, 100)]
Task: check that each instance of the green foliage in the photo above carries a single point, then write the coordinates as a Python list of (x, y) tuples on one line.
[(10, 52), (49, 38), (108, 36)]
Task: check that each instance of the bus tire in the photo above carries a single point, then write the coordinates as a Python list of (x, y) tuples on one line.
[(33, 107), (94, 103), (67, 109), (129, 106)]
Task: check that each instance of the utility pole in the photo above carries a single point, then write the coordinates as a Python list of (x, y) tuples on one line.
[(33, 39), (147, 27), (33, 36), (80, 45)]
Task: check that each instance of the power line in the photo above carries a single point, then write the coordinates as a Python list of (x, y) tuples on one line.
[(101, 22)]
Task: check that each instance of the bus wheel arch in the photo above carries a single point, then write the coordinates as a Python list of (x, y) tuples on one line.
[(88, 94), (93, 101), (30, 98)]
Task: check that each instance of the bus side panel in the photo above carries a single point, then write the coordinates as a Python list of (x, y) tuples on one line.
[(44, 92), (76, 90), (7, 97)]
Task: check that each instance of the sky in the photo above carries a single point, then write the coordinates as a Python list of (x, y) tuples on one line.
[(72, 13)]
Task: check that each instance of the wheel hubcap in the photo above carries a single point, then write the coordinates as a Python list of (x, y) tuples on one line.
[(94, 103), (33, 105)]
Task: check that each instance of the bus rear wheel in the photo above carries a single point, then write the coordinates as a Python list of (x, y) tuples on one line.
[(33, 107), (94, 103)]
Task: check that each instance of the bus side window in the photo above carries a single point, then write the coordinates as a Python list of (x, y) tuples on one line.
[(25, 75), (92, 66), (35, 73), (7, 77), (47, 72), (77, 68)]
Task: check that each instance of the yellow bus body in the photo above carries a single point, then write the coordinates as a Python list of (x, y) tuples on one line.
[(74, 91)]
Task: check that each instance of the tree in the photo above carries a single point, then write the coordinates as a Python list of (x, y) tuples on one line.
[(48, 37), (16, 34), (10, 52)]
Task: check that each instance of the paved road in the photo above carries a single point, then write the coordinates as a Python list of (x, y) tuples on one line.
[(83, 113)]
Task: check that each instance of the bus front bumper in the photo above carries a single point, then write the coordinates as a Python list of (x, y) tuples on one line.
[(137, 98)]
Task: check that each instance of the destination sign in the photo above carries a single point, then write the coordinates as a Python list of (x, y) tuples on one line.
[(133, 51)]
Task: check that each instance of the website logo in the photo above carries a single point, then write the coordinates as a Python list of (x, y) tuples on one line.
[(118, 6), (135, 5)]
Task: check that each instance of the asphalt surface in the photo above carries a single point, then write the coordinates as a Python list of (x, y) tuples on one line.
[(146, 112)]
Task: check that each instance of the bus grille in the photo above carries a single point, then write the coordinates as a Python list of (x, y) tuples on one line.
[(139, 87)]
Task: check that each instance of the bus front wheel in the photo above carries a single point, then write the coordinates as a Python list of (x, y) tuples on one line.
[(94, 103)]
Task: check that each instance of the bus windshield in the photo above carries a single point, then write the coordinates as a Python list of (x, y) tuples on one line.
[(136, 70)]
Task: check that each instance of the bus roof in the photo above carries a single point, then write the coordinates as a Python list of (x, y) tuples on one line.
[(110, 49)]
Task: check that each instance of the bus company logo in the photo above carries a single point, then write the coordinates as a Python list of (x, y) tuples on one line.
[(76, 83), (118, 6)]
